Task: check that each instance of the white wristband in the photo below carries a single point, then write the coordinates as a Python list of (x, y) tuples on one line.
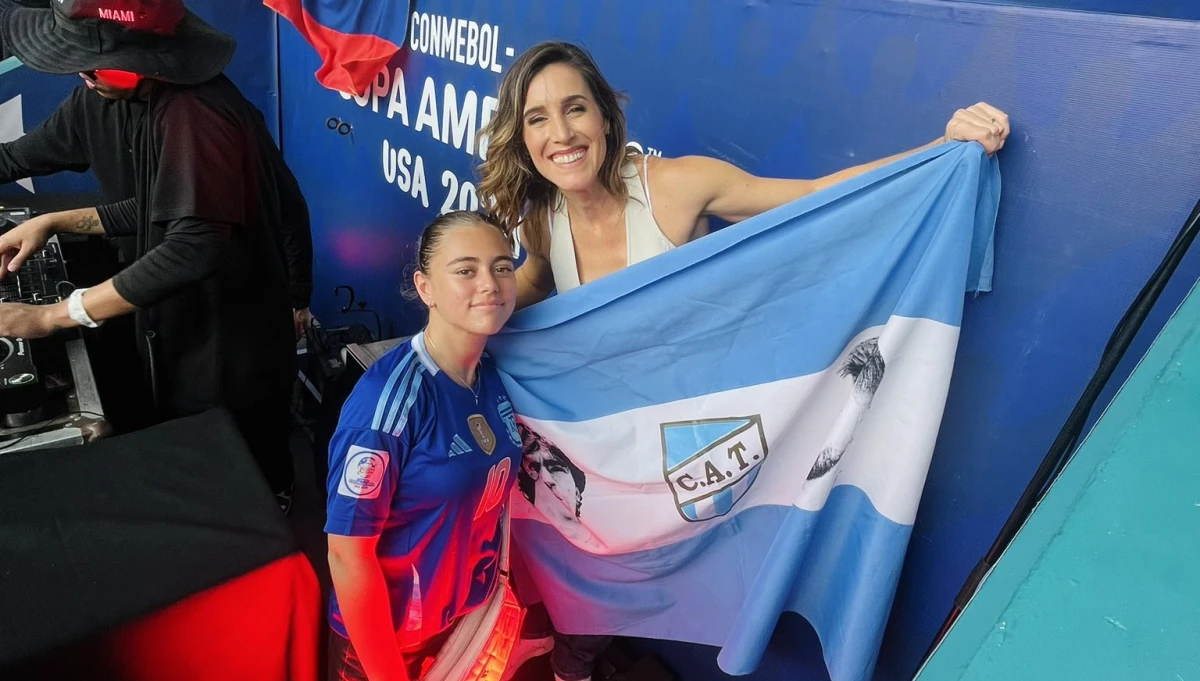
[(75, 309)]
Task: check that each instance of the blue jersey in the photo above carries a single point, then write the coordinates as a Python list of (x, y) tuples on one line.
[(423, 463)]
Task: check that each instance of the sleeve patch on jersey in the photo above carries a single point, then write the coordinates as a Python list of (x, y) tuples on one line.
[(362, 477)]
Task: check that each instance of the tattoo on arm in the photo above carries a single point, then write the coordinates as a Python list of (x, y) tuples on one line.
[(88, 224)]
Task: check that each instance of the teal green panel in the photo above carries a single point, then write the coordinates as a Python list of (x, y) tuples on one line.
[(1102, 582)]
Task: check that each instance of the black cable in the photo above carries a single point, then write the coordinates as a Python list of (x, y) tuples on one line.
[(1064, 445), (15, 442), (378, 325), (362, 307), (58, 288)]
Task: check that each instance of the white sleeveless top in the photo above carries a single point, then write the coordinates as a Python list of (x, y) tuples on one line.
[(643, 238)]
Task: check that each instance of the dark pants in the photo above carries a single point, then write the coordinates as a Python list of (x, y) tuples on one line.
[(574, 655), (267, 428), (345, 666)]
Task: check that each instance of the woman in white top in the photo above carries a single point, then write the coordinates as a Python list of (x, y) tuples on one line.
[(588, 206)]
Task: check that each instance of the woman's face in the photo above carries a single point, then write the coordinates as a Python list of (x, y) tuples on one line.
[(564, 129), (470, 282)]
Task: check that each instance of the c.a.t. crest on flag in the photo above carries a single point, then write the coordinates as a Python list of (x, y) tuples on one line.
[(710, 463)]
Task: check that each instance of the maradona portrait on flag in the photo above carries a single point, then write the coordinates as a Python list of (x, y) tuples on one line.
[(743, 425)]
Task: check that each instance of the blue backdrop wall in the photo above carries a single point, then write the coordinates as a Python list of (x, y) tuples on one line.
[(1098, 176), (1172, 9), (254, 68)]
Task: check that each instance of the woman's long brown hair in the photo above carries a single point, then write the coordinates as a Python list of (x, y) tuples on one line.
[(510, 188)]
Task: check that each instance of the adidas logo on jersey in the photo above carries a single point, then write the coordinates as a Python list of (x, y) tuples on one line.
[(459, 447)]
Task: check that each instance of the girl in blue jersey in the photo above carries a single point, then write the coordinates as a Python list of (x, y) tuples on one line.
[(421, 464)]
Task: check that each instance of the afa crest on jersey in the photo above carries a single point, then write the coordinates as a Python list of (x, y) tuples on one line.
[(510, 420)]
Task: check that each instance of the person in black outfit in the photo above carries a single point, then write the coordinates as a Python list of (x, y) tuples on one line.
[(89, 131), (210, 193)]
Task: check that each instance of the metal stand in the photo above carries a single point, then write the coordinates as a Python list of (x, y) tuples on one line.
[(83, 422)]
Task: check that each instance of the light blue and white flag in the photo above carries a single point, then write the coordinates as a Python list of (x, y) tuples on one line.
[(743, 425)]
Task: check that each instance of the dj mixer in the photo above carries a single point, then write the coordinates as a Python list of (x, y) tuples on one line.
[(42, 280)]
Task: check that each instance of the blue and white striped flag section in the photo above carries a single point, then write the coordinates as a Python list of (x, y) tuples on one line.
[(742, 426)]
